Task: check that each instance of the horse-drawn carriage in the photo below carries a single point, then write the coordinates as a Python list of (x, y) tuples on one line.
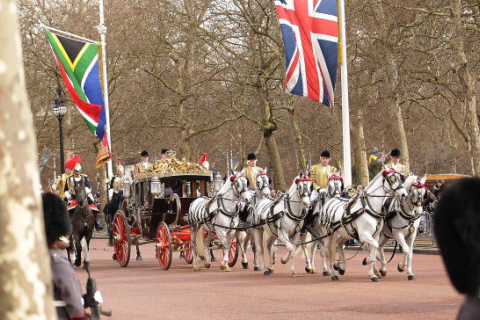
[(155, 209)]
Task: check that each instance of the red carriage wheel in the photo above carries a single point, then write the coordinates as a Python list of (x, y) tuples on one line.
[(121, 239), (233, 253), (188, 253), (164, 246)]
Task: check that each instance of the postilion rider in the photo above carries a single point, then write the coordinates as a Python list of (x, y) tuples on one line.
[(77, 176), (395, 164), (250, 172), (320, 173)]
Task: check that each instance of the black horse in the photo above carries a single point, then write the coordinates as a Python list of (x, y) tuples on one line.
[(110, 209), (83, 222)]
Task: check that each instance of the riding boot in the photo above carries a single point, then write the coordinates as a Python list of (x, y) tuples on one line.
[(98, 227)]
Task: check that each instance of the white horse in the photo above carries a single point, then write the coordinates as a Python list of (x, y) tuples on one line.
[(360, 218), (262, 190), (282, 218), (218, 215), (334, 189), (402, 221)]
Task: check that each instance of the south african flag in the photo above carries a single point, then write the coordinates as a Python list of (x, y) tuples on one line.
[(78, 63)]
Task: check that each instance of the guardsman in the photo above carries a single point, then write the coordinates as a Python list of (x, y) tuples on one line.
[(143, 165), (77, 176), (251, 170), (320, 172), (66, 287), (395, 163), (58, 187), (115, 191)]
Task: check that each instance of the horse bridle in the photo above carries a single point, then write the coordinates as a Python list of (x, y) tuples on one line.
[(264, 179), (334, 178), (220, 199)]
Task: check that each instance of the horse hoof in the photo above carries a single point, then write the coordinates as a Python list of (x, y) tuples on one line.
[(400, 269), (227, 269), (307, 270), (341, 271), (256, 269), (335, 278), (335, 267), (270, 270), (207, 265), (375, 279), (114, 257), (78, 263), (266, 273), (245, 265), (326, 274), (196, 268), (411, 277), (283, 261), (364, 261), (139, 258), (294, 275), (383, 273)]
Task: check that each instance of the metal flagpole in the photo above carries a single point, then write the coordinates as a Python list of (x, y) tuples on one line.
[(347, 160), (102, 29)]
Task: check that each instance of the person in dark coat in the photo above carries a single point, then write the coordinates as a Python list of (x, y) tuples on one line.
[(457, 229), (66, 287)]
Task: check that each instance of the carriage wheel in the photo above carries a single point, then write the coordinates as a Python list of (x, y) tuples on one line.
[(233, 253), (188, 254), (164, 246), (121, 239)]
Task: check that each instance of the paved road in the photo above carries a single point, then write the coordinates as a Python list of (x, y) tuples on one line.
[(144, 291)]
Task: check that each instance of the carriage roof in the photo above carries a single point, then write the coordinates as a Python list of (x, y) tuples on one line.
[(173, 169), (445, 176)]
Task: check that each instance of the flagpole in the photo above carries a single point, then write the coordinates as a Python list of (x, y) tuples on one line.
[(102, 29), (347, 161)]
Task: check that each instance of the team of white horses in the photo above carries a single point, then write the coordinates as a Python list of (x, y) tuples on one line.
[(386, 209)]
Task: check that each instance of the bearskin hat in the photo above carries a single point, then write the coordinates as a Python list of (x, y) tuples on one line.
[(457, 229), (395, 153), (251, 156), (325, 153), (57, 221)]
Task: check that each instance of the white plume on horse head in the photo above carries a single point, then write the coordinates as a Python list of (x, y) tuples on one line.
[(265, 170), (424, 179)]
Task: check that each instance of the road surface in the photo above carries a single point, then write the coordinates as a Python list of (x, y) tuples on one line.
[(144, 291)]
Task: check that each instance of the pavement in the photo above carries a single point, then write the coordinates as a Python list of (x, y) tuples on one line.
[(143, 290)]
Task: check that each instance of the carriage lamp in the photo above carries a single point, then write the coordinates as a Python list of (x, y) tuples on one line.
[(217, 182), (60, 109), (155, 186)]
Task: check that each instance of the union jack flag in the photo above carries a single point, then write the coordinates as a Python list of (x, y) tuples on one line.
[(310, 37)]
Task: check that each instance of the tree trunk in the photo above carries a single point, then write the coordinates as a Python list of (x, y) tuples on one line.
[(274, 155), (393, 81), (25, 279), (301, 162), (468, 84), (359, 150)]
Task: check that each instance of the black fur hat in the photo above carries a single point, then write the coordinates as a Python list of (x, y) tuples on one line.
[(325, 153), (457, 229), (395, 153), (251, 156), (144, 153), (57, 220)]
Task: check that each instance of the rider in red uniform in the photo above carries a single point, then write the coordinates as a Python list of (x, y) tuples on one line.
[(70, 193)]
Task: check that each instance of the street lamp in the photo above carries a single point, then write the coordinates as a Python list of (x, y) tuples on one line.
[(59, 109)]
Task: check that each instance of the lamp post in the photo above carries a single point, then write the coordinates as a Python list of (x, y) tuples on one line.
[(59, 109)]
